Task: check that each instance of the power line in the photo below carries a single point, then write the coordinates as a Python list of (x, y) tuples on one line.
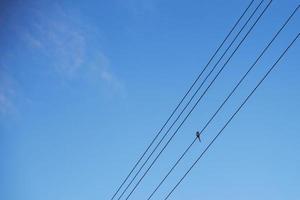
[(197, 101), (181, 101), (231, 93), (178, 107), (219, 133), (250, 69), (174, 166)]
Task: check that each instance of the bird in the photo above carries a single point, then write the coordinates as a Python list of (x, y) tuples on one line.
[(198, 135)]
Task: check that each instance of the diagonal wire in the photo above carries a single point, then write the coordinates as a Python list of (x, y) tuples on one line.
[(144, 163), (244, 102), (250, 69), (198, 101), (231, 93), (181, 101), (174, 166)]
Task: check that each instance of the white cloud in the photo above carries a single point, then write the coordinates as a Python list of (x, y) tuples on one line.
[(7, 93), (71, 45), (6, 105), (139, 7), (101, 68)]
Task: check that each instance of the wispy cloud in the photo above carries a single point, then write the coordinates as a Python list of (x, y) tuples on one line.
[(5, 103), (69, 42), (139, 7), (68, 45), (7, 93), (101, 67)]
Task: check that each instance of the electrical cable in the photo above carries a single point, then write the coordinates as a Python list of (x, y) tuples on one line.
[(227, 98), (244, 102), (197, 101), (181, 101)]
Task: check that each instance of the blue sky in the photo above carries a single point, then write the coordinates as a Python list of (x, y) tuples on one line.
[(84, 86)]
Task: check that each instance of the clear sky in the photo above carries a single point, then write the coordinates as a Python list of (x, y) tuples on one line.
[(84, 86)]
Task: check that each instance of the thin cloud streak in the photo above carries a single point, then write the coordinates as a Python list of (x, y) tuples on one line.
[(7, 93), (69, 46)]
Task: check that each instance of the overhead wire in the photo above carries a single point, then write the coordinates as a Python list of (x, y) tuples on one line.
[(197, 79), (219, 72), (227, 98), (174, 166), (235, 113), (181, 101)]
